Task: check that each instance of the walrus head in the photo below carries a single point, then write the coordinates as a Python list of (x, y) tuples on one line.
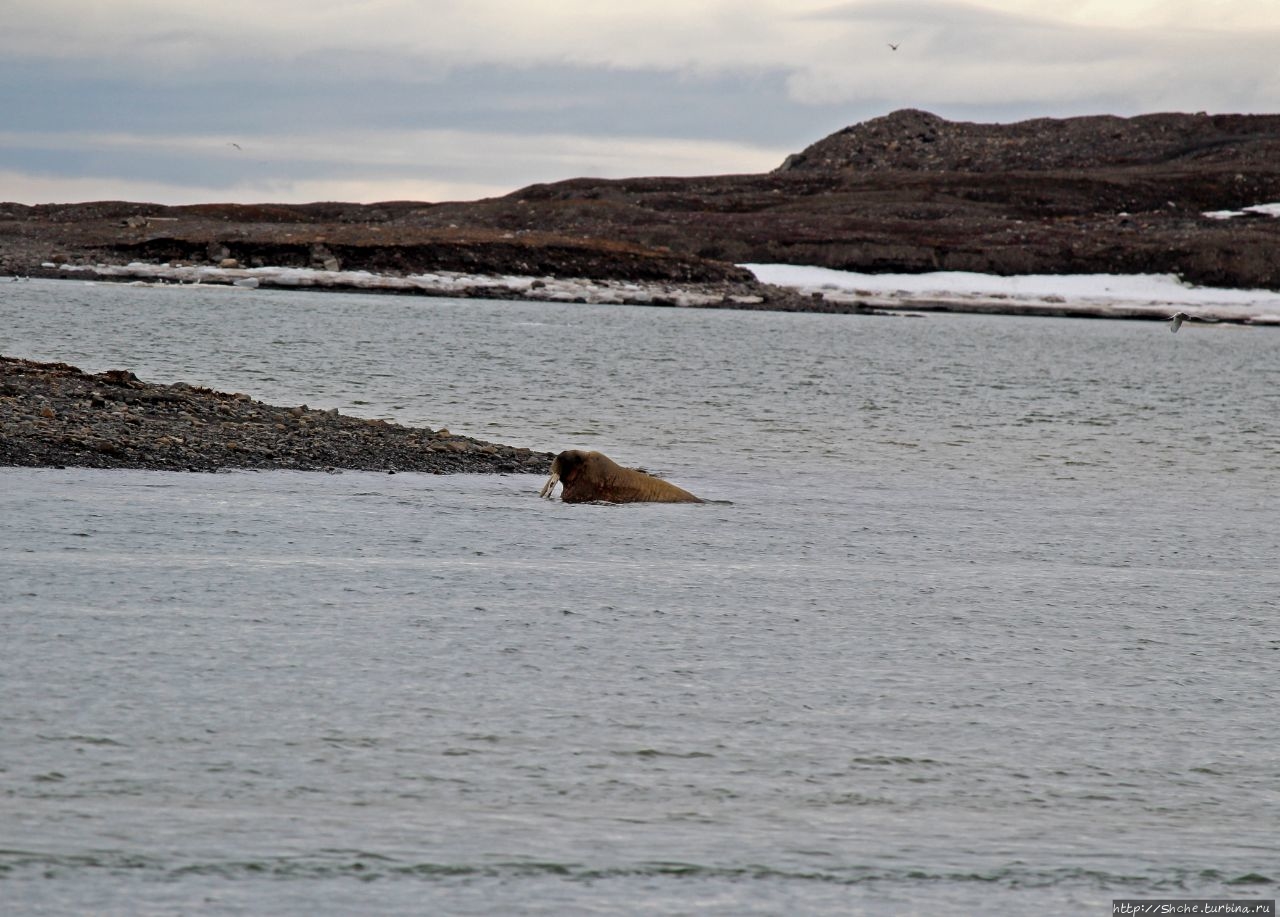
[(564, 468), (593, 476)]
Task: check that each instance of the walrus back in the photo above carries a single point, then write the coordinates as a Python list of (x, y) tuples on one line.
[(637, 487)]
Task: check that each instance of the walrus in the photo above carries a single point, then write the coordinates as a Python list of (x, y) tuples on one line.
[(590, 476)]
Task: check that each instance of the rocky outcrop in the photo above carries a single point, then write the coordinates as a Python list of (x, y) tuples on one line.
[(392, 240), (918, 141)]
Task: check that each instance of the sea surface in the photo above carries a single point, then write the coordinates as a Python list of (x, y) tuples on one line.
[(981, 619)]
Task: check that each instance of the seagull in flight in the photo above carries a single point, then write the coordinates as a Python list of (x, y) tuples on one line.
[(236, 145), (892, 46), (1177, 318)]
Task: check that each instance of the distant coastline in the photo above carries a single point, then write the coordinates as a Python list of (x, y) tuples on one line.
[(1191, 196)]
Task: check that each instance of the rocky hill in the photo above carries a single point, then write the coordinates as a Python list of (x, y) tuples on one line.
[(907, 192), (918, 141)]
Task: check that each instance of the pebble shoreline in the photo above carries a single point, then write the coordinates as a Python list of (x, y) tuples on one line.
[(56, 415)]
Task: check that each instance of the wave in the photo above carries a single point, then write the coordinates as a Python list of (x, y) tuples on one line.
[(368, 866)]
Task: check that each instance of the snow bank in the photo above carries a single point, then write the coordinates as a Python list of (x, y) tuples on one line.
[(1104, 295)]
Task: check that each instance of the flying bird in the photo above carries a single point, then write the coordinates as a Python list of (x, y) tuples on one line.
[(1177, 318), (892, 46), (236, 145)]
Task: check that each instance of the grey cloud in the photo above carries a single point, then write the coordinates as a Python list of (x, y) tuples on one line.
[(305, 97), (941, 28), (923, 12), (748, 106), (213, 169), (1002, 65)]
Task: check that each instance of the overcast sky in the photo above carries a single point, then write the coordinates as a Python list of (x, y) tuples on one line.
[(190, 101)]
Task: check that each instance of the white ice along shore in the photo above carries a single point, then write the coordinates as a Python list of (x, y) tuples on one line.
[(1266, 210), (1099, 295), (441, 283), (1095, 295)]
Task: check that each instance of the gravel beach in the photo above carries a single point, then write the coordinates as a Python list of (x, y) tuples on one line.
[(53, 415)]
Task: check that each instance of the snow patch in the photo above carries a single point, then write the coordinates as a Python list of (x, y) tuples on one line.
[(1103, 295), (1268, 210)]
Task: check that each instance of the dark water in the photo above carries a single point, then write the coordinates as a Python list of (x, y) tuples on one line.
[(987, 623)]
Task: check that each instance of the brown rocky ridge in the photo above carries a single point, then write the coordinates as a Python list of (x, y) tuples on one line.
[(908, 192), (53, 415)]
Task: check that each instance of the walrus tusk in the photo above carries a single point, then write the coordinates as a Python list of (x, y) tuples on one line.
[(588, 477)]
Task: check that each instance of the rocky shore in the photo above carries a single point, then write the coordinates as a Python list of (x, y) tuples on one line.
[(55, 415), (1167, 194), (358, 248)]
